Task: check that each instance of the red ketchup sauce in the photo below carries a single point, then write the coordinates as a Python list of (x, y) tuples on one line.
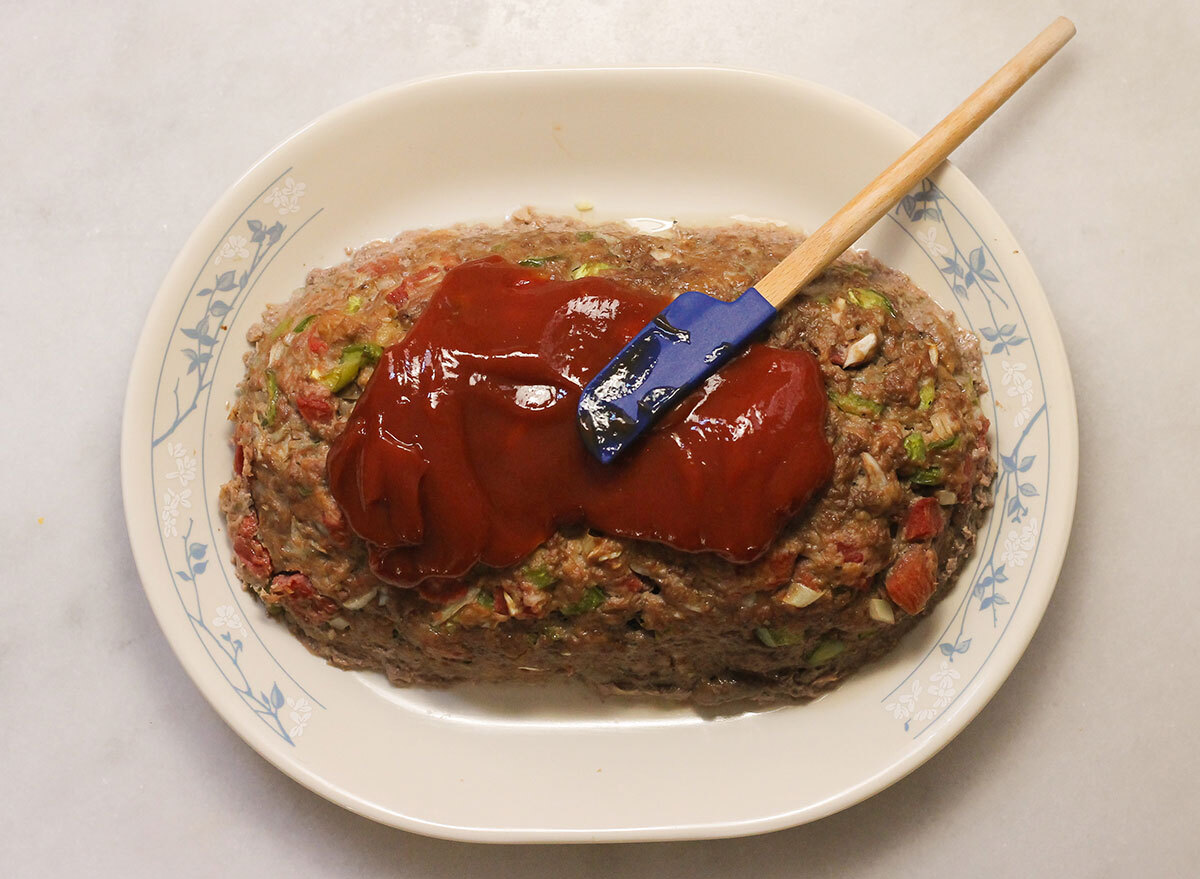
[(464, 448)]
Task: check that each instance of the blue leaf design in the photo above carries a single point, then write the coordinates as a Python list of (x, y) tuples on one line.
[(1001, 577), (219, 308), (196, 550), (987, 275), (207, 291), (1016, 340), (1008, 329), (183, 575), (190, 332), (274, 233), (225, 280), (989, 333), (976, 259), (986, 603), (225, 636), (1013, 506), (1009, 462), (963, 647), (999, 599), (946, 648), (276, 697), (254, 225), (998, 347), (199, 567), (1026, 463), (960, 290), (1028, 489)]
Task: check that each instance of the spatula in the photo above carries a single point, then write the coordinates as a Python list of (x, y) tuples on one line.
[(695, 335)]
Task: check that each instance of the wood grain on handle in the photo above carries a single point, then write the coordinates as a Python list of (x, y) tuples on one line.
[(845, 227)]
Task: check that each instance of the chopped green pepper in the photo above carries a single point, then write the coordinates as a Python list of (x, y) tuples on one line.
[(496, 248), (856, 404), (914, 447), (282, 330), (778, 637), (927, 392), (536, 262), (591, 599), (928, 476), (353, 304), (272, 394), (304, 322), (868, 298), (584, 236), (486, 598), (825, 651), (540, 577), (354, 358), (950, 443), (590, 268)]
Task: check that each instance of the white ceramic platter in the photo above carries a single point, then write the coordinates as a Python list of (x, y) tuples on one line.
[(513, 764)]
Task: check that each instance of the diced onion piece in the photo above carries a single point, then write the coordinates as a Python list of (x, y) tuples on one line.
[(510, 604), (880, 610), (861, 350), (359, 602), (933, 355), (583, 205), (799, 595), (339, 623), (451, 609), (946, 498)]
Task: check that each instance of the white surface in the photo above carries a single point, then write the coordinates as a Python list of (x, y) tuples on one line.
[(122, 129), (450, 148)]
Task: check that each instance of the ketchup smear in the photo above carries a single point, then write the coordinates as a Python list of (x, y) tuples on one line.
[(464, 446)]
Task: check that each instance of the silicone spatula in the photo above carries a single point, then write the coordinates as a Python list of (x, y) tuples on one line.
[(695, 335)]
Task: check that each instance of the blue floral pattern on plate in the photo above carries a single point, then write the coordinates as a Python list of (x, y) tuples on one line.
[(208, 596), (985, 301)]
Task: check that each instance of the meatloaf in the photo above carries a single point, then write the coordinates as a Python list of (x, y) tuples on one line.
[(842, 582)]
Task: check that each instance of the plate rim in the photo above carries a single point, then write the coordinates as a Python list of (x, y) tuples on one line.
[(960, 714)]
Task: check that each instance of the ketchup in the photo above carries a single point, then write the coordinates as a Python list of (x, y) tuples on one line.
[(464, 446)]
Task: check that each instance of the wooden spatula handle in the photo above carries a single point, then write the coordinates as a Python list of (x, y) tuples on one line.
[(846, 226)]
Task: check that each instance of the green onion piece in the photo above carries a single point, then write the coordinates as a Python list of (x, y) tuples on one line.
[(825, 651), (914, 447), (536, 262), (590, 268), (584, 236), (496, 248), (855, 404), (304, 322), (971, 394), (592, 598), (540, 577), (354, 358), (951, 443), (928, 392), (822, 300), (928, 476), (486, 598), (855, 269), (868, 298), (779, 637), (272, 394), (282, 330), (353, 304)]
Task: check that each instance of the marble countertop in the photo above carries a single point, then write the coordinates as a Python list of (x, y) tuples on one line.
[(121, 129)]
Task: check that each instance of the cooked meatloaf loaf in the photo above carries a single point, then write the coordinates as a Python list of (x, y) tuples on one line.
[(845, 578)]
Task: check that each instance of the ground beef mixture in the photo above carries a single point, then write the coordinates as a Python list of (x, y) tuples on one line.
[(842, 582)]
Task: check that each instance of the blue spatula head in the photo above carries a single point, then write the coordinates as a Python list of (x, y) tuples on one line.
[(688, 341)]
